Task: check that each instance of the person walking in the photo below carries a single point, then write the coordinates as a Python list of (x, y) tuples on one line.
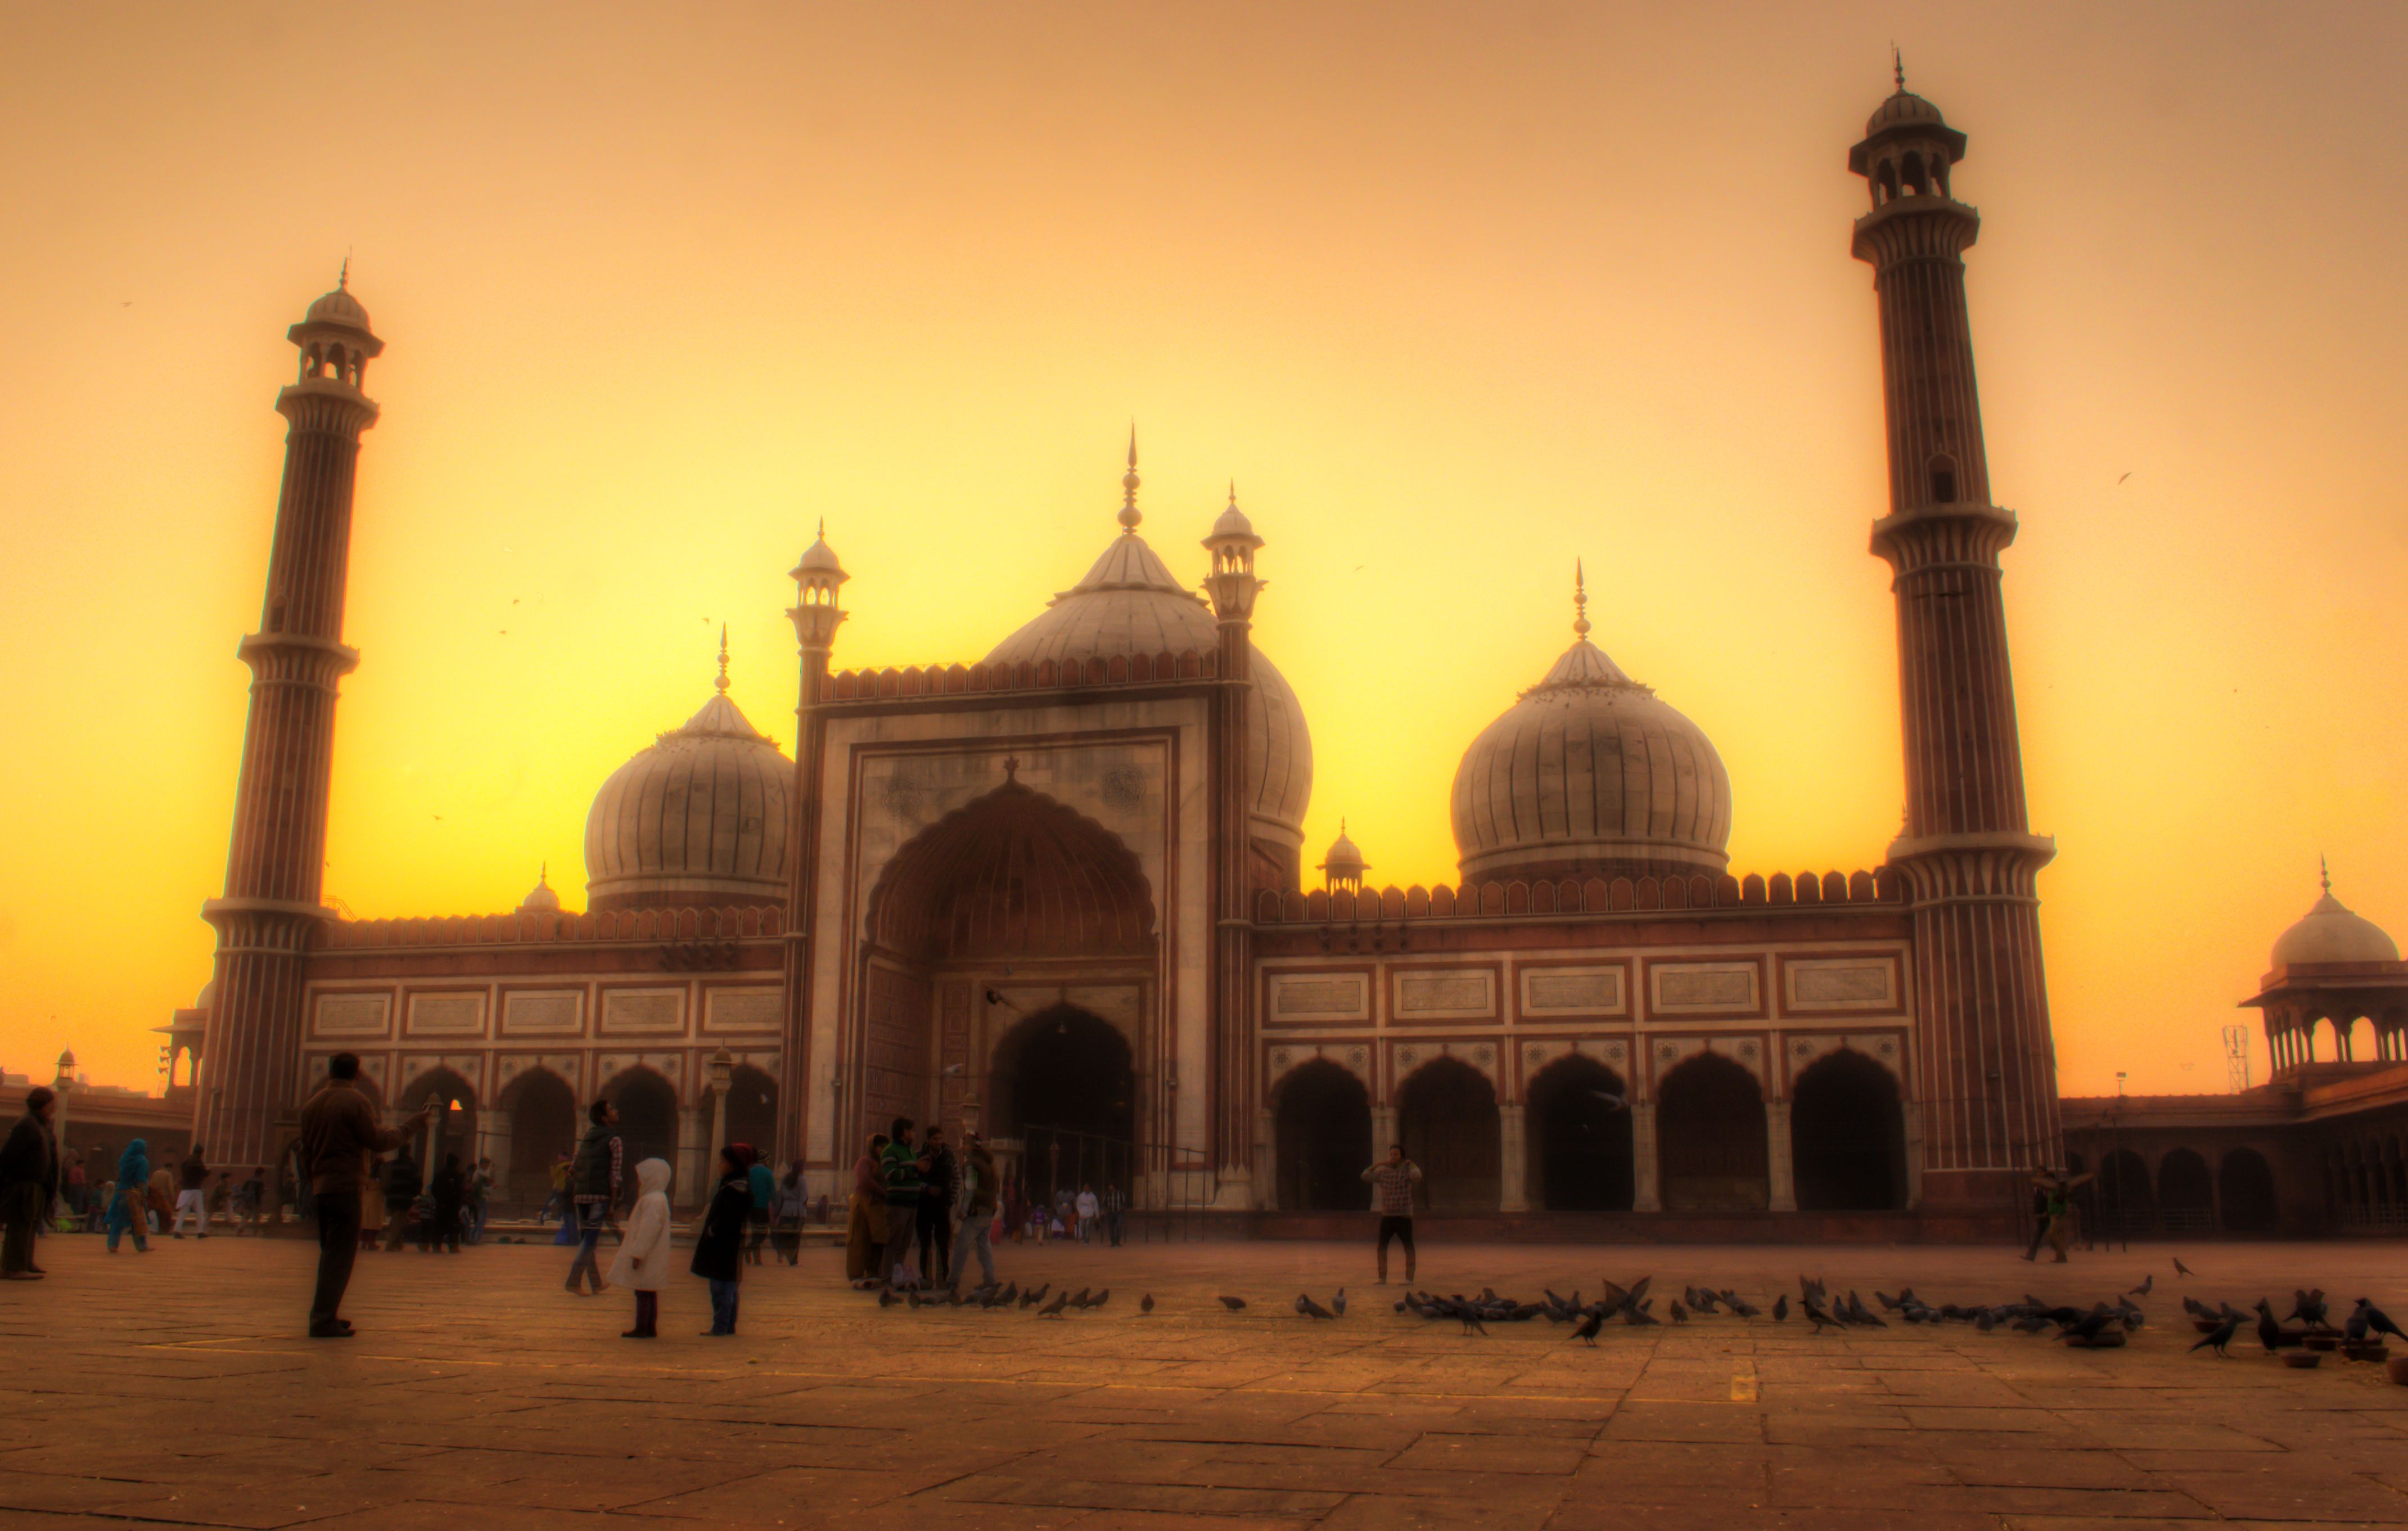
[(761, 1183), (975, 1233), (1115, 1213), (1392, 1196), (193, 1192), (451, 1196), (76, 1185), (247, 1198), (593, 1180), (642, 1265), (403, 1181), (481, 1195), (902, 1166), (338, 1132), (127, 1211), (1089, 1210), (28, 1182), (934, 1221), (865, 1228), (718, 1248), (786, 1217)]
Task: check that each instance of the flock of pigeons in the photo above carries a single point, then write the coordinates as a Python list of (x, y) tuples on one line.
[(2101, 1324)]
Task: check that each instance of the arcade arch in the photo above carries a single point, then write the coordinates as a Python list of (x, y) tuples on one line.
[(1446, 1115), (1578, 1127), (1847, 1134), (542, 1113), (1710, 1137), (1322, 1139)]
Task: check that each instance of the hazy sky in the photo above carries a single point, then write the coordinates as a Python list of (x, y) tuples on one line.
[(1457, 292)]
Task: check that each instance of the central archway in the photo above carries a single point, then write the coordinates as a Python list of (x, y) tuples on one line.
[(1446, 1113), (1710, 1128), (1323, 1138), (543, 1130), (1066, 1086), (453, 1129), (647, 1119), (1579, 1155), (1847, 1134)]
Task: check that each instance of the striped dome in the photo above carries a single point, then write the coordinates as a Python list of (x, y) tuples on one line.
[(700, 818), (1589, 775)]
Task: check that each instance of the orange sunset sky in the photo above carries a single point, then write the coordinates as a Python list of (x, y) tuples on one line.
[(1458, 293)]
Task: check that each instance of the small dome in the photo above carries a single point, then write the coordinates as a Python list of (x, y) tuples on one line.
[(540, 899), (1128, 605), (1589, 775), (819, 558), (338, 307), (1344, 859), (700, 818), (208, 1000), (2331, 933), (1903, 108)]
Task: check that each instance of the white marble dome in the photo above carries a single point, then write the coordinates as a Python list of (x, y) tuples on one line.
[(2329, 933), (1590, 775), (1127, 605), (701, 818)]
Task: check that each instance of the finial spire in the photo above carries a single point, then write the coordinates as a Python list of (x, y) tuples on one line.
[(543, 874), (721, 682), (2324, 873), (1580, 599), (1129, 516), (1897, 65), (343, 280)]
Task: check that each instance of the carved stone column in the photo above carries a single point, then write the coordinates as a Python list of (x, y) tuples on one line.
[(1512, 1163), (1644, 1195), (1781, 1170)]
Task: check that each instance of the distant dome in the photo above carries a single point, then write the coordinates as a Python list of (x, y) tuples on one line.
[(338, 307), (700, 818), (208, 997), (2331, 933), (1345, 859), (1901, 110), (1128, 605), (540, 899), (1589, 775)]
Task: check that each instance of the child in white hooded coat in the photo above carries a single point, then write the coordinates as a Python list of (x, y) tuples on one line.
[(643, 1263)]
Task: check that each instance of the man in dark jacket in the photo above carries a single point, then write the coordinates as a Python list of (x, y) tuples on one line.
[(974, 1234), (28, 1182), (902, 1165), (193, 1192), (402, 1184), (938, 1188), (339, 1131), (593, 1180)]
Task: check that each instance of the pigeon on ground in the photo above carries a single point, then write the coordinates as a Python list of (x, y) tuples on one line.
[(886, 1297), (1145, 1303), (1781, 1309), (1035, 1295), (1079, 1300), (1337, 1302), (2181, 1269), (1884, 1299), (1235, 1305), (1311, 1308), (2197, 1309), (1820, 1320), (1011, 1294), (1680, 1314), (1742, 1310), (2374, 1319), (1985, 1320), (2270, 1332), (1099, 1300), (1053, 1309), (2221, 1336), (1860, 1313), (1587, 1333), (913, 1297), (2090, 1327), (2146, 1283)]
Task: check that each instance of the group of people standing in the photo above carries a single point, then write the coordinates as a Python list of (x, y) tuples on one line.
[(911, 1196)]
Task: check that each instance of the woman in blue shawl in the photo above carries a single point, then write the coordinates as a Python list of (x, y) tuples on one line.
[(126, 1208)]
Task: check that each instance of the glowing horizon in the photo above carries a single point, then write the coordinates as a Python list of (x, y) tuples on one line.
[(1457, 303)]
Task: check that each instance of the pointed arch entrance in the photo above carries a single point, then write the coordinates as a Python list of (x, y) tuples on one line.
[(542, 1112), (1446, 1113), (1579, 1132), (1711, 1135), (648, 1117), (1847, 1134), (452, 1128), (1011, 960), (1322, 1139)]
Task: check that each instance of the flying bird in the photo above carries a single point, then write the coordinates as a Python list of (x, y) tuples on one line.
[(2309, 1309), (2128, 473), (1235, 1305), (1613, 1101)]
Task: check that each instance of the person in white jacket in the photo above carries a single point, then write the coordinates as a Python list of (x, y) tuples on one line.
[(643, 1263)]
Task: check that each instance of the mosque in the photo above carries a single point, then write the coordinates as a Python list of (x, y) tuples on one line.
[(1061, 893)]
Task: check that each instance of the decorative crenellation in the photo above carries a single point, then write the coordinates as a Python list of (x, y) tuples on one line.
[(1594, 895), (1045, 675), (664, 925)]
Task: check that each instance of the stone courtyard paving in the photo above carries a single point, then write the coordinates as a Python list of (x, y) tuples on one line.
[(176, 1388)]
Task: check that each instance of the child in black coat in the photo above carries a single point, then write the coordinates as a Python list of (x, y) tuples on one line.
[(719, 1252)]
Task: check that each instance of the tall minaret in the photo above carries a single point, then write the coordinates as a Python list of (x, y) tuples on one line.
[(816, 615), (1232, 1094), (1986, 1068), (271, 913)]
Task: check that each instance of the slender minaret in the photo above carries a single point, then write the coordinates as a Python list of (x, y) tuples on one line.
[(816, 617), (1234, 587), (271, 913), (1985, 1068)]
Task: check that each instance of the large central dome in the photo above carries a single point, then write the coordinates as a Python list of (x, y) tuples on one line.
[(1589, 775), (700, 818), (1128, 605)]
